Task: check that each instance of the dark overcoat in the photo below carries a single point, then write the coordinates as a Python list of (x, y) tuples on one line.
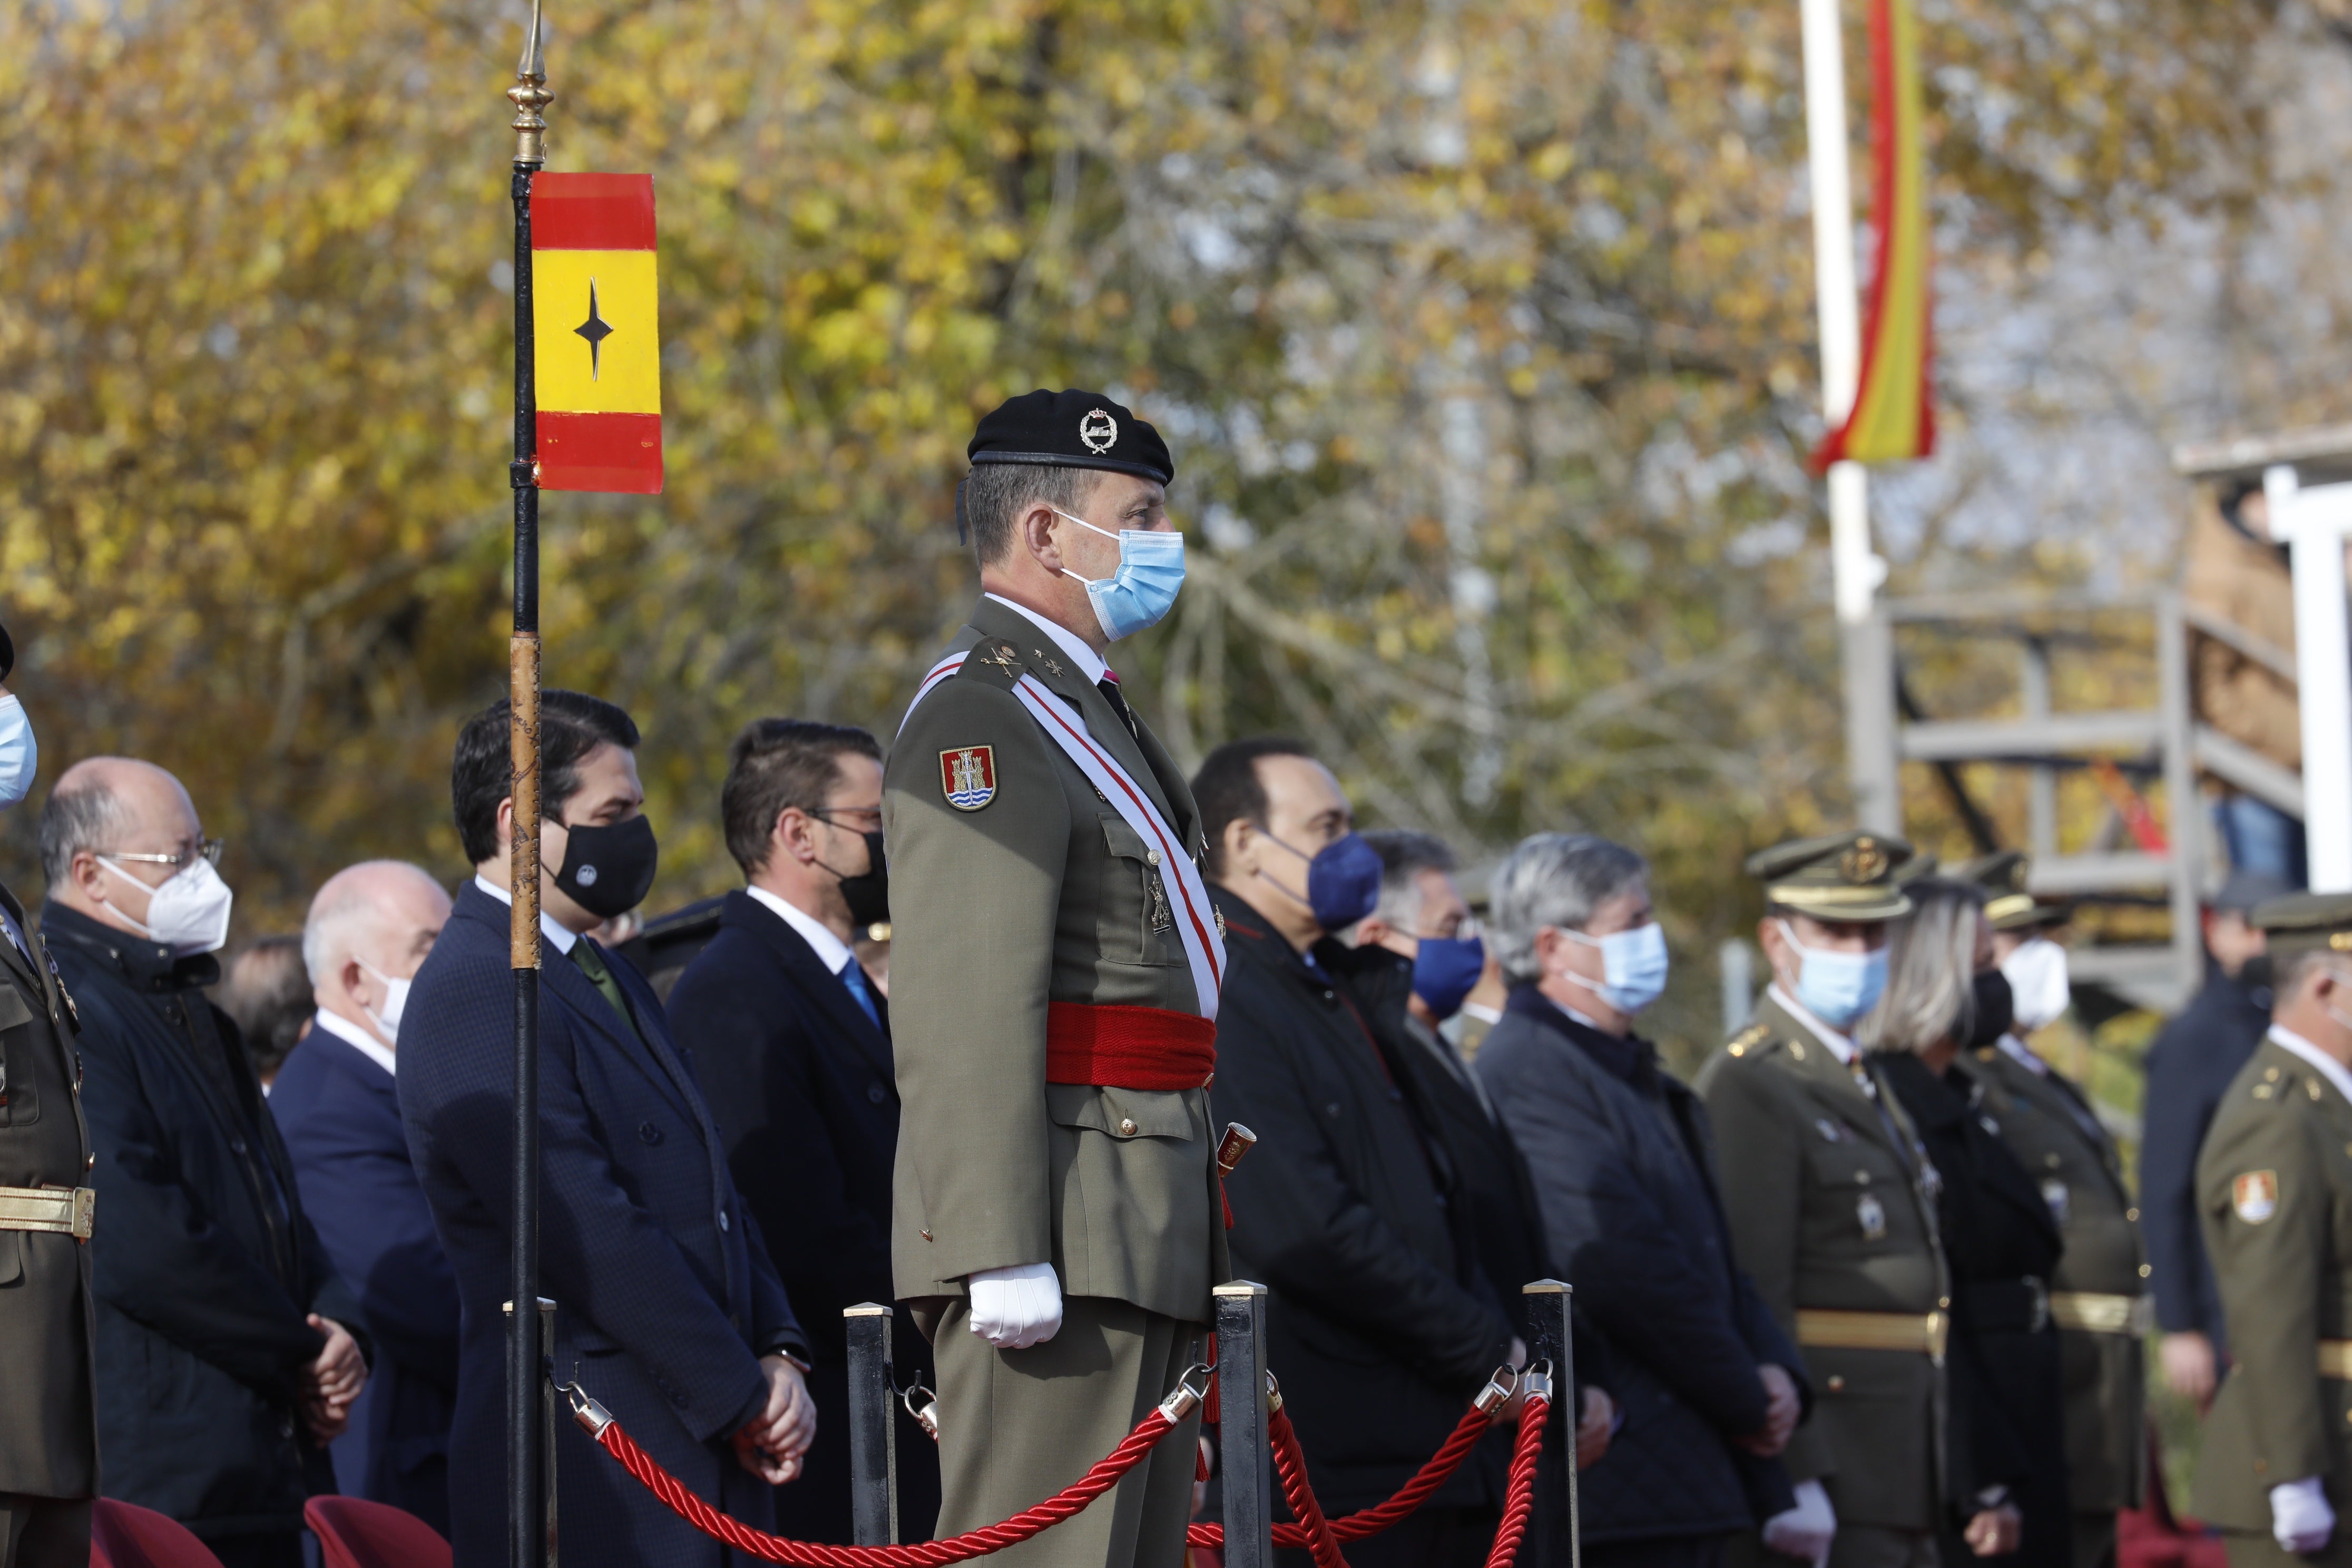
[(802, 1083), (1381, 1322), (340, 1113), (665, 1297), (204, 1264), (1624, 1175), (2189, 1067)]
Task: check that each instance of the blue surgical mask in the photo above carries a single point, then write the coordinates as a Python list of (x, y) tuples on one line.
[(1838, 988), (1445, 969), (20, 757), (1343, 880), (1143, 590), (1632, 966)]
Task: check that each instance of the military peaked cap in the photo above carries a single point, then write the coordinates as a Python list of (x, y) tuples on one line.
[(1838, 877), (2308, 922), (2003, 876), (1071, 429)]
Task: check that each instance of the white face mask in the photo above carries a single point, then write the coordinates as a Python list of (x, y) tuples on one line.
[(188, 914), (2037, 979), (395, 1001), (20, 757)]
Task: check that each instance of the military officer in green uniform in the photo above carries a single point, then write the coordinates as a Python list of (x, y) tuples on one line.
[(2097, 1297), (2275, 1199), (49, 1333), (1055, 972), (1832, 1210)]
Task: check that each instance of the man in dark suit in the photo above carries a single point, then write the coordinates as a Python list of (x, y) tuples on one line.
[(335, 1099), (229, 1349), (792, 1038), (667, 1307), (2190, 1065)]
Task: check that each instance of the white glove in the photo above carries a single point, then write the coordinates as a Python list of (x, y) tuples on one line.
[(1806, 1529), (1015, 1308), (2300, 1516)]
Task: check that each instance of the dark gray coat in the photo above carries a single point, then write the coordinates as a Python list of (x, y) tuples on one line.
[(1624, 1175)]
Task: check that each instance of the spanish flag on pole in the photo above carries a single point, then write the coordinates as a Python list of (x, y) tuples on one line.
[(596, 341), (1893, 415)]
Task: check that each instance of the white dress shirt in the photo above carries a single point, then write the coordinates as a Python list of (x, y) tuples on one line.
[(562, 938), (1840, 1046), (830, 950), (2020, 1053), (1091, 663), (2329, 1067), (359, 1039)]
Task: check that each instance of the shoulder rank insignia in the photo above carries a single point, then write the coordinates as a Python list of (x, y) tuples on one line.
[(968, 776), (1002, 655), (1748, 1039), (2255, 1195)]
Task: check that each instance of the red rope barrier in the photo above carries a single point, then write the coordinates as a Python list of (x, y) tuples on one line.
[(1519, 1501), (1372, 1521), (1290, 1464), (1069, 1501)]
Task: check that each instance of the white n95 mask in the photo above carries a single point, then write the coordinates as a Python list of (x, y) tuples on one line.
[(188, 914)]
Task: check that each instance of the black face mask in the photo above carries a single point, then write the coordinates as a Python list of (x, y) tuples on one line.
[(867, 893), (1996, 1009), (609, 870), (2254, 974)]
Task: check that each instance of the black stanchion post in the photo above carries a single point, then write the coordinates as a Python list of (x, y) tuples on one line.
[(1555, 1530), (1244, 1454), (873, 1434)]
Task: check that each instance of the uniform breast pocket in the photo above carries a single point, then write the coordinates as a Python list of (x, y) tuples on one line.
[(19, 1106), (1859, 1185), (1139, 924)]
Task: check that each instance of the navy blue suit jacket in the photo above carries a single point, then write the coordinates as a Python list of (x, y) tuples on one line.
[(807, 1101), (340, 1114), (2189, 1067), (665, 1297)]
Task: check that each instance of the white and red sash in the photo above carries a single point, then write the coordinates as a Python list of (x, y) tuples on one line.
[(1196, 921)]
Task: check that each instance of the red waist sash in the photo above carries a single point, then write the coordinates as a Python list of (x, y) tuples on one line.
[(1129, 1048)]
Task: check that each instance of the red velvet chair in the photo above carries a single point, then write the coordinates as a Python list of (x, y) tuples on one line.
[(124, 1535), (356, 1533)]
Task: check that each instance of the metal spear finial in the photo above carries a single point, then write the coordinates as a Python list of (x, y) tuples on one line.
[(530, 95)]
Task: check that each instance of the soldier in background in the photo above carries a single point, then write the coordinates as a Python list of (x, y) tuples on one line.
[(2097, 1294), (2274, 1190), (48, 1431), (1832, 1213)]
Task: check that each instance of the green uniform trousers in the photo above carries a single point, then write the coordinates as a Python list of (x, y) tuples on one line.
[(2259, 1548), (1016, 1426), (44, 1531)]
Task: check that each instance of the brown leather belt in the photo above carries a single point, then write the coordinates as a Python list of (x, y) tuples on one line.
[(65, 1211), (1921, 1333), (2093, 1313), (2336, 1358)]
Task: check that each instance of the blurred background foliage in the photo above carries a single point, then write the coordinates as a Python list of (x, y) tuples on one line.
[(1482, 329)]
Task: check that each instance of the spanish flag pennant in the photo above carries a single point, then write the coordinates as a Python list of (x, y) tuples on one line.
[(1893, 416), (596, 338)]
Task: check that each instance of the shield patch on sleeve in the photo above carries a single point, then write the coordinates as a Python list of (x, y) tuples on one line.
[(2255, 1195), (968, 776)]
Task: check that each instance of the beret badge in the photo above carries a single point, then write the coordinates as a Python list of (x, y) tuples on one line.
[(1098, 431)]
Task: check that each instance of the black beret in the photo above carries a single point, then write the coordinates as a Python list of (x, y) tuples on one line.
[(1071, 429)]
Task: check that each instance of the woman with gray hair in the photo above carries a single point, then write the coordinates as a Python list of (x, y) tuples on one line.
[(2005, 1422), (1623, 1168)]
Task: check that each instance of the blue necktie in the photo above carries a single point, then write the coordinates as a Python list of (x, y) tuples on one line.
[(854, 976)]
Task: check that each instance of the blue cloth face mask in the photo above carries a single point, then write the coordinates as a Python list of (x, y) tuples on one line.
[(1343, 880), (1445, 969), (1143, 590), (1837, 988), (1632, 966), (20, 757)]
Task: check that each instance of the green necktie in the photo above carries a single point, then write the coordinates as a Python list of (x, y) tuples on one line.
[(592, 965)]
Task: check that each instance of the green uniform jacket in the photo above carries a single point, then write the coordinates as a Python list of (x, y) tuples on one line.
[(2050, 1127), (48, 1433), (1828, 1210), (2274, 1196), (1044, 893)]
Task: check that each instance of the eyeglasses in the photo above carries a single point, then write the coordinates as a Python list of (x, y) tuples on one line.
[(210, 850), (825, 813)]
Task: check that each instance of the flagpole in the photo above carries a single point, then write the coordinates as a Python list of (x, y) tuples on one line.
[(1854, 571), (529, 1540)]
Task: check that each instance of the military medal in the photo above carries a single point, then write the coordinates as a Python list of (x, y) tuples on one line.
[(968, 776), (1832, 1131), (2054, 1193), (1872, 1214), (2255, 1195)]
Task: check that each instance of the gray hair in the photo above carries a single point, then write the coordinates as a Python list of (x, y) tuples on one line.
[(995, 494), (82, 819), (1404, 855), (1931, 964), (1554, 880)]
